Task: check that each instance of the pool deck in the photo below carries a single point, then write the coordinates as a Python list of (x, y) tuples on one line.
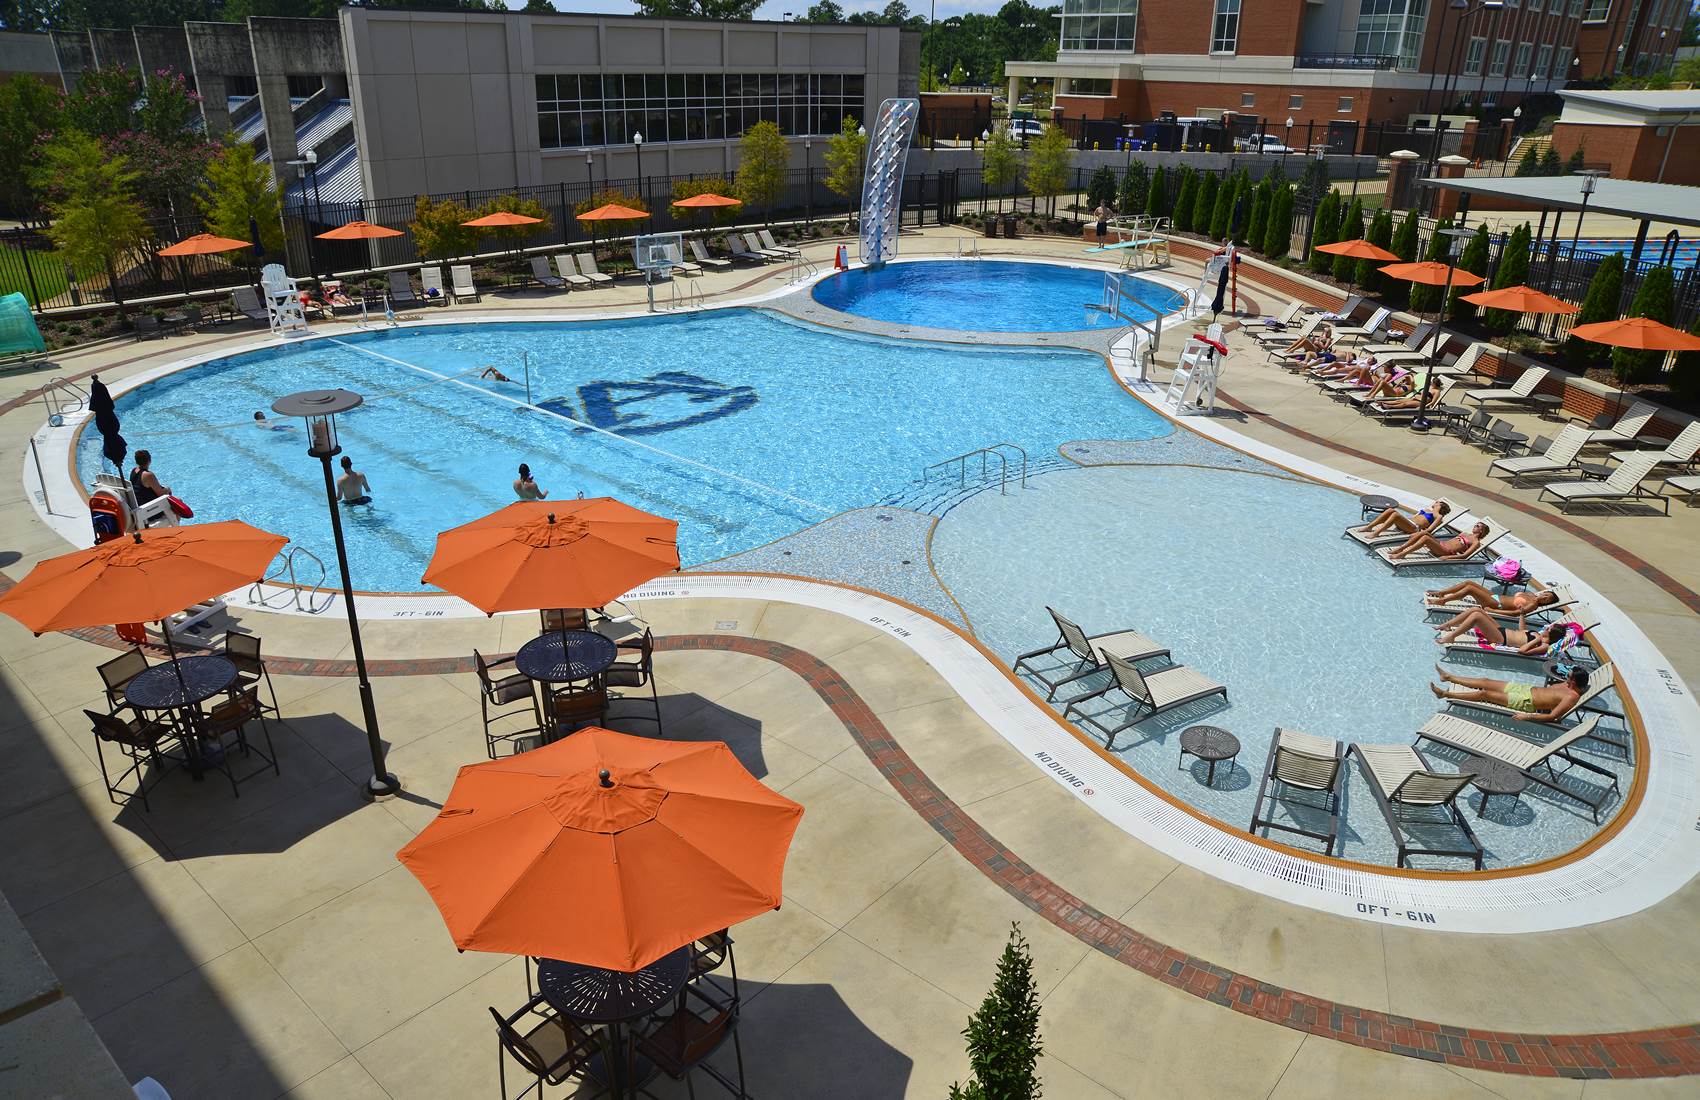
[(271, 945)]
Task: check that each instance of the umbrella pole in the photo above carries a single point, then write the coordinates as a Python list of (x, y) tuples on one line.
[(171, 652)]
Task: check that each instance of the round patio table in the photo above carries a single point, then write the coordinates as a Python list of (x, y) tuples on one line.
[(562, 656), (1211, 745), (181, 683), (1374, 504), (1495, 777), (611, 998)]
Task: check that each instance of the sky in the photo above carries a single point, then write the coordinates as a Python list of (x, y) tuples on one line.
[(776, 9)]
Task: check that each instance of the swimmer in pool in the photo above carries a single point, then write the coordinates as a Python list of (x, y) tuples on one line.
[(262, 423), (525, 486), (1530, 702), (495, 375), (352, 486)]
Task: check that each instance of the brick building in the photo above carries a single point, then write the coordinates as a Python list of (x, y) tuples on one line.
[(1628, 36), (1645, 135)]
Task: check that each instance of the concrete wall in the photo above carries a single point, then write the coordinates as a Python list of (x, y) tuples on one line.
[(218, 51), (28, 53), (74, 53), (163, 48), (285, 48), (447, 101), (113, 49)]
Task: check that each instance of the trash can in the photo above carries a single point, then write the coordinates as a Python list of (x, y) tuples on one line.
[(1009, 226), (991, 225)]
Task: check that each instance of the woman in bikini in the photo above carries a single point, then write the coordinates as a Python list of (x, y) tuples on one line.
[(1397, 384), (1454, 549), (1490, 633), (1514, 604), (1414, 400), (1423, 519), (1320, 339), (1531, 703)]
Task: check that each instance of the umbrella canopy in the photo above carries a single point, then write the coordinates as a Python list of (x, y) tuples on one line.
[(1520, 299), (501, 219), (359, 231), (1359, 249), (603, 849), (204, 244), (154, 573), (705, 200), (106, 422), (547, 553), (613, 212), (1637, 332), (1432, 273), (1221, 290)]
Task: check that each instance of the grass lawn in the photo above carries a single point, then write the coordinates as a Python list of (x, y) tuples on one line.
[(49, 271)]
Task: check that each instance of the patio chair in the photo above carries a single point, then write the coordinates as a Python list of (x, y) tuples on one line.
[(568, 272), (496, 696), (681, 1043), (1384, 410), (1528, 757), (563, 618), (1466, 361), (765, 236), (1088, 652), (1288, 336), (1629, 428), (1278, 323), (1375, 326), (1359, 532), (1622, 487), (246, 301), (638, 673), (1474, 428), (1413, 342), (1151, 695), (587, 268), (435, 292), (553, 1049), (708, 955), (1503, 436), (230, 719), (740, 252), (703, 258), (146, 326), (1426, 558), (1679, 452), (243, 651), (1411, 794), (401, 290), (1600, 681), (114, 674), (1520, 392), (575, 706), (1561, 455), (138, 741), (1689, 485), (1301, 762), (540, 271), (461, 274), (1580, 614)]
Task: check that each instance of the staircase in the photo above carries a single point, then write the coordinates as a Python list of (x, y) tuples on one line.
[(1538, 142), (941, 489), (882, 188)]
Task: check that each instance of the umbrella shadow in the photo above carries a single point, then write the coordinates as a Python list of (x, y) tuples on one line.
[(686, 716)]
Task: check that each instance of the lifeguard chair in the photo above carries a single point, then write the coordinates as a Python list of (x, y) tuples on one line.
[(283, 302), (1192, 388)]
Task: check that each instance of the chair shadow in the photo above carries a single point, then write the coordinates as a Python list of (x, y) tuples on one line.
[(689, 717), (805, 1040)]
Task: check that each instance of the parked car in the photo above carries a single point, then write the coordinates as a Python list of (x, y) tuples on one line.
[(1261, 143), (1025, 127)]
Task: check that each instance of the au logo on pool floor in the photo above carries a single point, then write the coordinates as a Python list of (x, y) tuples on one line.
[(653, 405)]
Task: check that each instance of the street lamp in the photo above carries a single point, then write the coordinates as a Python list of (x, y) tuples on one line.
[(1590, 179), (1455, 246), (1287, 143), (861, 168), (309, 166), (1467, 9), (637, 140), (808, 182), (590, 171), (319, 409)]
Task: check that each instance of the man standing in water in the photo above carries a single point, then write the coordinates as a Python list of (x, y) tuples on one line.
[(352, 486)]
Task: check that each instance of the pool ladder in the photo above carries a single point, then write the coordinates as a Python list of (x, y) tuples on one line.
[(684, 294), (63, 397), (286, 568), (985, 455)]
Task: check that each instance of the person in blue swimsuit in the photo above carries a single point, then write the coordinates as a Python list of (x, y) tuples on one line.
[(1395, 519)]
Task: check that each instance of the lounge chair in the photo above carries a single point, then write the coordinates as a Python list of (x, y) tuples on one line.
[(1150, 694), (1562, 455), (1413, 342), (1623, 486), (1290, 335), (540, 271), (1424, 557), (1280, 321), (246, 301), (740, 252), (1565, 599), (1410, 793), (1528, 757), (1600, 681), (753, 243), (1679, 452), (401, 290), (461, 275), (1359, 532), (1301, 762), (1580, 614), (703, 258), (431, 279), (1520, 392), (765, 236), (1628, 429), (1087, 653), (1385, 411), (1689, 485), (1466, 361), (1375, 326), (587, 268), (569, 274)]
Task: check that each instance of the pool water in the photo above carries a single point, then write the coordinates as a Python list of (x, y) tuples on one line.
[(1687, 252), (768, 426), (987, 296)]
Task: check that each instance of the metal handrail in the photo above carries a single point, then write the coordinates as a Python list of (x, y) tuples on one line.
[(986, 454), (60, 406), (294, 587)]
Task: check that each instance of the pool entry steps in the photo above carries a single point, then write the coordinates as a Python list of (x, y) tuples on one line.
[(882, 189)]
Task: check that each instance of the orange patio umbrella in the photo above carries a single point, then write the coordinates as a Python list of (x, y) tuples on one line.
[(612, 212), (1359, 249), (1642, 333), (603, 849), (1520, 299), (359, 231), (706, 200), (204, 244), (553, 553), (1432, 273), (502, 219)]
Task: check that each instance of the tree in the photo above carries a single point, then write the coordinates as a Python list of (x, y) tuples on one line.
[(1239, 210), (728, 10), (1136, 185), (539, 7), (153, 124), (1405, 247), (513, 204), (238, 190), (1101, 188), (1474, 260), (1513, 271), (1605, 290), (1185, 199), (1324, 226), (1157, 199), (958, 75), (1204, 205), (1550, 164), (1224, 210), (91, 197), (1046, 170), (1529, 164), (1000, 159), (844, 153), (1654, 298), (438, 232), (704, 185), (1003, 1034), (29, 108), (1368, 273), (1577, 159), (1351, 229), (1313, 184), (1258, 225), (823, 11), (1278, 238), (1424, 298), (1685, 371), (764, 160), (611, 196)]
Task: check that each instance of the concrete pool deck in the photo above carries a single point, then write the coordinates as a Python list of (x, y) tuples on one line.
[(271, 943)]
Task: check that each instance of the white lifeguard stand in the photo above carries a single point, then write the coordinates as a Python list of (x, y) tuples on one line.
[(1192, 388), (283, 302)]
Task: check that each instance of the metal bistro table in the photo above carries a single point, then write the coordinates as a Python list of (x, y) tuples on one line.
[(1373, 504), (1211, 745), (179, 686), (1495, 777), (613, 998), (563, 657)]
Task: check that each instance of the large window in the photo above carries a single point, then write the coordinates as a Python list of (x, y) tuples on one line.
[(1535, 5), (1543, 63), (1575, 8), (1595, 11), (1088, 86), (1099, 24), (602, 109), (1391, 28), (1473, 57), (1501, 53), (1225, 28), (1520, 67), (1561, 63)]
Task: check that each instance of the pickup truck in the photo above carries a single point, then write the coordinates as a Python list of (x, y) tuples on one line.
[(1261, 143)]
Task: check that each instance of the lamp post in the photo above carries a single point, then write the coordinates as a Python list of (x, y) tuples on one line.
[(1287, 142), (1516, 113), (309, 166), (808, 182), (1590, 179), (1467, 10), (1455, 246), (637, 140), (319, 409), (1452, 6), (861, 173)]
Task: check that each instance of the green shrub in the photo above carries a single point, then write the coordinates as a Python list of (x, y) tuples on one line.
[(1258, 225), (1424, 299), (1600, 304), (1003, 1034), (1157, 200), (1368, 272), (1101, 188), (1351, 229), (1513, 271), (1136, 185), (1204, 205), (1278, 237), (1685, 371), (1325, 225), (1473, 260), (1188, 194), (1654, 298)]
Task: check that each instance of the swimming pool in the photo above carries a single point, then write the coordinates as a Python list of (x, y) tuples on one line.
[(985, 296), (742, 425), (1687, 251)]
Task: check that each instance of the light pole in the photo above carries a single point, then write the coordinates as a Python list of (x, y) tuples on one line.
[(1467, 11), (309, 166), (319, 409), (1516, 113), (986, 136), (861, 173), (1455, 246), (808, 182), (1590, 179), (637, 140), (1287, 142), (1452, 6)]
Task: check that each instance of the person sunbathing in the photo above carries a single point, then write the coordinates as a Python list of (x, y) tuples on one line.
[(1320, 339), (1516, 603), (1453, 549), (336, 296), (1361, 372), (1394, 385), (1413, 400), (1531, 702), (1393, 519), (1490, 633)]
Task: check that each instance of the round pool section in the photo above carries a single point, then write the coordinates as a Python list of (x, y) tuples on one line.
[(988, 296)]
